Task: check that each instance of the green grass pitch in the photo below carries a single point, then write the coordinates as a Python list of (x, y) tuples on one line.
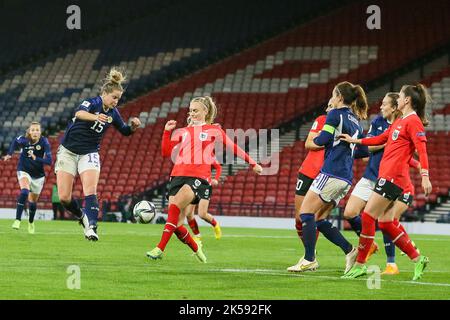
[(245, 264)]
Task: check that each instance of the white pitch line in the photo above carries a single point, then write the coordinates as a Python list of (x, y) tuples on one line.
[(278, 273)]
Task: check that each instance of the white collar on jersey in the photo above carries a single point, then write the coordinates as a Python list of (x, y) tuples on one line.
[(409, 114)]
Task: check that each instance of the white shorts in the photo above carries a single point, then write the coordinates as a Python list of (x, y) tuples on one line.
[(72, 163), (36, 184), (364, 189), (329, 189)]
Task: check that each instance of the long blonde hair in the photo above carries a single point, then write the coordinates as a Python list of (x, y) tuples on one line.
[(113, 80), (210, 105)]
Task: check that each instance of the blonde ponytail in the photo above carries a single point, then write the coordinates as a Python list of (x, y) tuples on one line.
[(113, 80)]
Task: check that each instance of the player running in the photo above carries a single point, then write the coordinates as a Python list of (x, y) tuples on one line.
[(405, 135), (78, 152), (35, 154), (332, 184), (193, 158)]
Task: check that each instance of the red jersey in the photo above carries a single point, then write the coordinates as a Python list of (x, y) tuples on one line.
[(313, 162), (193, 150), (404, 136)]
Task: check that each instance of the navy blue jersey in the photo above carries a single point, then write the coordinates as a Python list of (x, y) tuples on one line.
[(83, 137), (42, 151), (377, 127), (339, 154)]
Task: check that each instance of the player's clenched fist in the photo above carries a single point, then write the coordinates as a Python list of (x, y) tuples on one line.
[(170, 125)]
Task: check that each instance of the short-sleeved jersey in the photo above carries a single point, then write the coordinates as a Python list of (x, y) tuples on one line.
[(41, 149), (193, 150), (339, 154), (402, 138), (310, 167), (377, 127), (83, 137)]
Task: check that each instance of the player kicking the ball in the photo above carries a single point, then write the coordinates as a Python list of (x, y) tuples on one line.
[(78, 152), (193, 158)]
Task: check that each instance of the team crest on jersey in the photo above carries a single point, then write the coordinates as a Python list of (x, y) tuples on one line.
[(38, 147), (110, 119), (395, 134), (381, 182), (203, 136)]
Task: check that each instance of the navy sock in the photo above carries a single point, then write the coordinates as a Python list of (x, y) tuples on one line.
[(21, 201), (356, 224), (91, 207), (32, 211), (389, 247), (73, 207), (309, 235), (334, 235)]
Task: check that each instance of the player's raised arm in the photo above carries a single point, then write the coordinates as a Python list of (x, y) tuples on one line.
[(12, 147), (122, 127), (239, 152)]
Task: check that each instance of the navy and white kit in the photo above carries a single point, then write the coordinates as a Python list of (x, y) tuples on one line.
[(78, 151), (366, 184), (335, 178), (32, 170)]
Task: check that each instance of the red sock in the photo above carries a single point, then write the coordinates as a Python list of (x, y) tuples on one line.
[(213, 222), (399, 225), (171, 225), (194, 226), (399, 238), (298, 227), (366, 238), (185, 237)]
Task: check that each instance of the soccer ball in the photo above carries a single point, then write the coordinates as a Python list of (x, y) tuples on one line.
[(144, 211)]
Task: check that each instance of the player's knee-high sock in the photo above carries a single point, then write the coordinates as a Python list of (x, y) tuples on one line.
[(366, 237), (194, 226), (21, 201), (389, 247), (171, 225), (211, 220), (185, 237), (399, 225), (32, 211), (355, 223), (334, 235), (92, 209), (400, 238), (309, 235), (73, 208)]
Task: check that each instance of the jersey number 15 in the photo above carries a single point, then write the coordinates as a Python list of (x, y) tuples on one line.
[(98, 126)]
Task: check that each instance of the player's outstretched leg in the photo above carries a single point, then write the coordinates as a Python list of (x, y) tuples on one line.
[(194, 227), (73, 207)]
